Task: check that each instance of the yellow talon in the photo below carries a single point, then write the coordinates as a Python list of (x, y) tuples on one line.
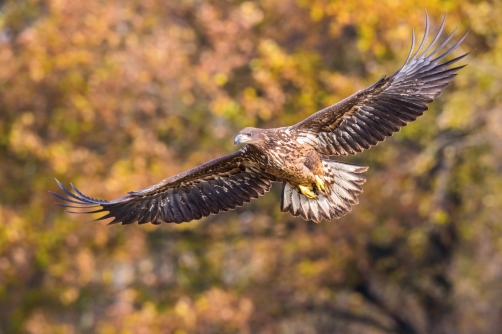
[(307, 191), (319, 183)]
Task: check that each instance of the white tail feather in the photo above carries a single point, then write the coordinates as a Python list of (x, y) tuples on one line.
[(343, 186)]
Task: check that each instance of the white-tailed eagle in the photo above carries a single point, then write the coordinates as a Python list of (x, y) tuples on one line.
[(314, 186)]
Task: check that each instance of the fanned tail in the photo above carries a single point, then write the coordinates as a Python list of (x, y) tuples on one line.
[(343, 184)]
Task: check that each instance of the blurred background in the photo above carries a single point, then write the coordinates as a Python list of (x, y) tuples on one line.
[(117, 95)]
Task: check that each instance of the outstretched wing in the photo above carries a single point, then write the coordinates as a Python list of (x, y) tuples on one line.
[(218, 185), (370, 115)]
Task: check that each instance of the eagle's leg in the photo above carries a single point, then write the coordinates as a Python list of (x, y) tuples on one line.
[(307, 191), (320, 183), (313, 169)]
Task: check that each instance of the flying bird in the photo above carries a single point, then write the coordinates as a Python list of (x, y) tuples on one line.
[(314, 186)]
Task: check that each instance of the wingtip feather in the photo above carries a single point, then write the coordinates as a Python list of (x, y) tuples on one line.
[(438, 34), (426, 33)]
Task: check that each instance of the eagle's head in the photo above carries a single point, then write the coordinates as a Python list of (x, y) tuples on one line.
[(249, 135)]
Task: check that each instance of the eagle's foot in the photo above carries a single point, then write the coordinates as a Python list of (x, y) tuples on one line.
[(320, 183), (307, 191)]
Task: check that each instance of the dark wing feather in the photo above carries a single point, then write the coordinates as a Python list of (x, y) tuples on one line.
[(218, 185), (370, 115)]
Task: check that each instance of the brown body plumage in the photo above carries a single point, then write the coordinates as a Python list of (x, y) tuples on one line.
[(279, 154), (314, 187)]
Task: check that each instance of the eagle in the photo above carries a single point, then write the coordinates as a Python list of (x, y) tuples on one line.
[(314, 186)]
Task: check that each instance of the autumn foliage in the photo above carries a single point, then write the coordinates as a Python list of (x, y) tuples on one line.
[(117, 95)]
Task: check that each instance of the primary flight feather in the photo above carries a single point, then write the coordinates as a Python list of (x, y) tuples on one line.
[(314, 186)]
